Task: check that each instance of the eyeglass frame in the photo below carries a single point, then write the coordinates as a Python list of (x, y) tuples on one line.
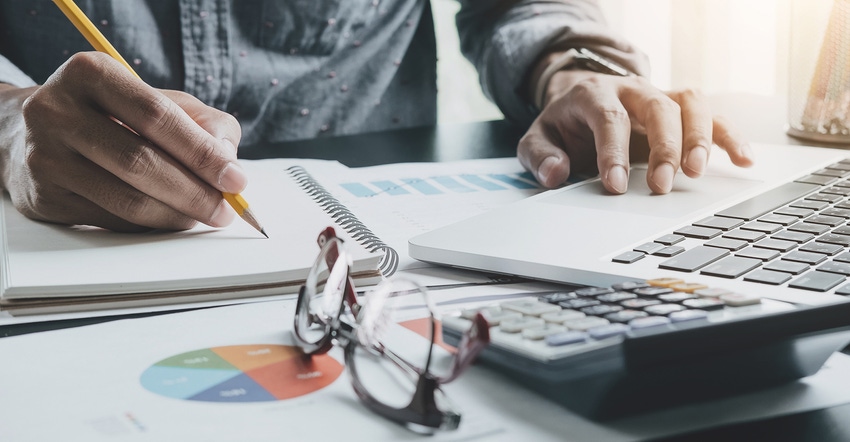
[(423, 414)]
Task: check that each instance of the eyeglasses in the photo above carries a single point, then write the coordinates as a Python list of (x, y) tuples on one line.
[(394, 372)]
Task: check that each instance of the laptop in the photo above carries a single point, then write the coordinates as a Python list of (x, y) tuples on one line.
[(778, 230)]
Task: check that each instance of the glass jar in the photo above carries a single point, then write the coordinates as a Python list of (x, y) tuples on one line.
[(819, 74)]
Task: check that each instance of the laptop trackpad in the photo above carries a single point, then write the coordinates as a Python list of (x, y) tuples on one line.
[(688, 195)]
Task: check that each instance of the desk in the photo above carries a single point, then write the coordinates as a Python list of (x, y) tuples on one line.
[(498, 139)]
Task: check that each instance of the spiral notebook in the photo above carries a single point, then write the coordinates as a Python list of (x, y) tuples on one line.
[(47, 268)]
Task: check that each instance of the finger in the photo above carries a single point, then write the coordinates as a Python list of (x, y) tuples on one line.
[(134, 163), (697, 129), (600, 108), (732, 142), (157, 118), (662, 119), (220, 125), (540, 154)]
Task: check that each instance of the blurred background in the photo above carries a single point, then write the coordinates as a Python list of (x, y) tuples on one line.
[(717, 46)]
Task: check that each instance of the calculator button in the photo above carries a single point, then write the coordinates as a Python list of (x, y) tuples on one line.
[(560, 316), (471, 313), (538, 333), (566, 338), (607, 331), (663, 309), (496, 318), (740, 299), (676, 297), (593, 291), (629, 285), (601, 310), (579, 303), (648, 322), (652, 291), (639, 303), (554, 298), (530, 307), (687, 315), (688, 287), (664, 282), (583, 324), (616, 297), (712, 292), (516, 325), (626, 315), (705, 303)]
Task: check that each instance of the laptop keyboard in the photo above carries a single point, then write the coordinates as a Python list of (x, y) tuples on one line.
[(797, 233)]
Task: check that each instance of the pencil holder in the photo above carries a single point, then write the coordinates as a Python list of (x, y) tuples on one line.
[(819, 75)]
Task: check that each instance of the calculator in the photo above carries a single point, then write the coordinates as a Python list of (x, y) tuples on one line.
[(641, 345)]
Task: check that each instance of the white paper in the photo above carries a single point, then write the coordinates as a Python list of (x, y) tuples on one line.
[(84, 384)]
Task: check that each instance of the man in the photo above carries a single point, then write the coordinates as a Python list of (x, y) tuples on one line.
[(217, 73)]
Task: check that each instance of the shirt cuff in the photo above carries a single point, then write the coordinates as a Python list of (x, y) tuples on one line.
[(10, 74)]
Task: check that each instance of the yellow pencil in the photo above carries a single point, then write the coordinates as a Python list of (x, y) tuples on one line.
[(101, 44)]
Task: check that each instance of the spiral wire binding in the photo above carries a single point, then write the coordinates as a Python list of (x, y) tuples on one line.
[(345, 219)]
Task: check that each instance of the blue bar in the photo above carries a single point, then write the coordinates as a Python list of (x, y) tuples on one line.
[(481, 182), (519, 184), (390, 187), (452, 184), (422, 186), (358, 190), (528, 176)]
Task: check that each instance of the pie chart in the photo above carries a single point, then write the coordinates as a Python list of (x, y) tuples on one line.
[(241, 373)]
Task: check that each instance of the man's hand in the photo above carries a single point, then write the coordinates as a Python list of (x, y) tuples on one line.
[(66, 158), (588, 119)]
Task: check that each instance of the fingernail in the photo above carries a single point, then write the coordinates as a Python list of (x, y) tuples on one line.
[(662, 177), (545, 169), (232, 178), (222, 216), (618, 179), (697, 159)]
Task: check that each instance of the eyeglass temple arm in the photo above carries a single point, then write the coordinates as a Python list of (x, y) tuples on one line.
[(471, 343)]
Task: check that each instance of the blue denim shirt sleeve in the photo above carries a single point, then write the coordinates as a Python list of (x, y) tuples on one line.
[(503, 39)]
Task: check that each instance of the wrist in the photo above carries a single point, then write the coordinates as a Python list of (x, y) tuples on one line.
[(12, 128), (573, 60)]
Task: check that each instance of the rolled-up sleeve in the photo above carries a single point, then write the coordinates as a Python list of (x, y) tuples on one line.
[(10, 74), (504, 38)]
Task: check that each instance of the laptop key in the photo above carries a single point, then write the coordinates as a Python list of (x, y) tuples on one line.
[(806, 204), (816, 229), (756, 253), (826, 197), (837, 190), (835, 211), (694, 259), (842, 268), (842, 230), (649, 248), (843, 290), (731, 267), (785, 220), (768, 201), (832, 238), (669, 251), (794, 268), (719, 222), (805, 257), (819, 247), (776, 244), (817, 179), (835, 173), (767, 277), (798, 237), (762, 227), (831, 221), (698, 232), (794, 211), (842, 257), (728, 244), (670, 239), (817, 281), (745, 235), (628, 257)]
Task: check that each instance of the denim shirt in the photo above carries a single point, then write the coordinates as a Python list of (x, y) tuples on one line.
[(293, 69)]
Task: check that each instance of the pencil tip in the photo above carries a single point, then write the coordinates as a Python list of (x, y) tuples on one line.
[(263, 231)]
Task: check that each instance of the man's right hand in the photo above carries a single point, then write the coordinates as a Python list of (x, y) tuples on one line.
[(65, 157)]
